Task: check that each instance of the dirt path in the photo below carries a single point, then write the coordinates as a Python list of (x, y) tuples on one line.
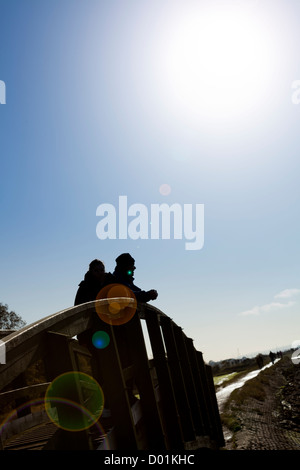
[(271, 421)]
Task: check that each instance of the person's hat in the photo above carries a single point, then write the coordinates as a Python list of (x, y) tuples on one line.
[(124, 260)]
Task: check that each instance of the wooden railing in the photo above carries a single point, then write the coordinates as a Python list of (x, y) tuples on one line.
[(162, 403)]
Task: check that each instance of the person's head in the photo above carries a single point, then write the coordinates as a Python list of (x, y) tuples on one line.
[(125, 264), (97, 268)]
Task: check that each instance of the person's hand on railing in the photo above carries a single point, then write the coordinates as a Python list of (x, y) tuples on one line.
[(153, 294)]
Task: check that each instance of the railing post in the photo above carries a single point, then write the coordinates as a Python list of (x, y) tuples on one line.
[(142, 377), (216, 432), (218, 425), (202, 371), (115, 391), (170, 411), (188, 379), (178, 380), (199, 384), (60, 359)]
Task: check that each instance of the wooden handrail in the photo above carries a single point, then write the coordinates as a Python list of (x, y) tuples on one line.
[(23, 345), (187, 406)]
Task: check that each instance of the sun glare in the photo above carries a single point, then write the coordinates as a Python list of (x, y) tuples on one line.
[(218, 62)]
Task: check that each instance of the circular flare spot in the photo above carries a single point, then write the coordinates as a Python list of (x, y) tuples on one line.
[(165, 189), (114, 307), (115, 304), (74, 401), (100, 339)]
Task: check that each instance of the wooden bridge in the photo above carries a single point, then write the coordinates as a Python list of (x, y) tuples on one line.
[(160, 403)]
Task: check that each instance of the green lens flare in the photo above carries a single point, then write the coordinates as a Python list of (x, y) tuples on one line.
[(74, 401), (100, 339)]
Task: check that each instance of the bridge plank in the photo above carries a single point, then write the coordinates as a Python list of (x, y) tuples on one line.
[(143, 381), (178, 380), (188, 379), (170, 411)]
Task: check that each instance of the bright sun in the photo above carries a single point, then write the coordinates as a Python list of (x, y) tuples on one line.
[(218, 61)]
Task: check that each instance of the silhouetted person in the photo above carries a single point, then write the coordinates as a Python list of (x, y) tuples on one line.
[(123, 274), (260, 360), (272, 357), (95, 278)]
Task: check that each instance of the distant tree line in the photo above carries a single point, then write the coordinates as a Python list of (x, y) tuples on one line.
[(9, 320)]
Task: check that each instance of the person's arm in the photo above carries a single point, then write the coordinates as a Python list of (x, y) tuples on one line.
[(145, 296)]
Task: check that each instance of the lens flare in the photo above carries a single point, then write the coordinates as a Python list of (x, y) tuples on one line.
[(100, 339), (115, 304), (165, 189), (64, 400)]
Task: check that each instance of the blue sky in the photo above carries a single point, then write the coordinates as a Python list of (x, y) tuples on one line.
[(115, 98)]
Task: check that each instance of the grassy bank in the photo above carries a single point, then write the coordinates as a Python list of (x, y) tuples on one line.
[(227, 379), (256, 388)]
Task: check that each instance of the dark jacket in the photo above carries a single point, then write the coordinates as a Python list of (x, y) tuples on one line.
[(90, 286), (140, 295)]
